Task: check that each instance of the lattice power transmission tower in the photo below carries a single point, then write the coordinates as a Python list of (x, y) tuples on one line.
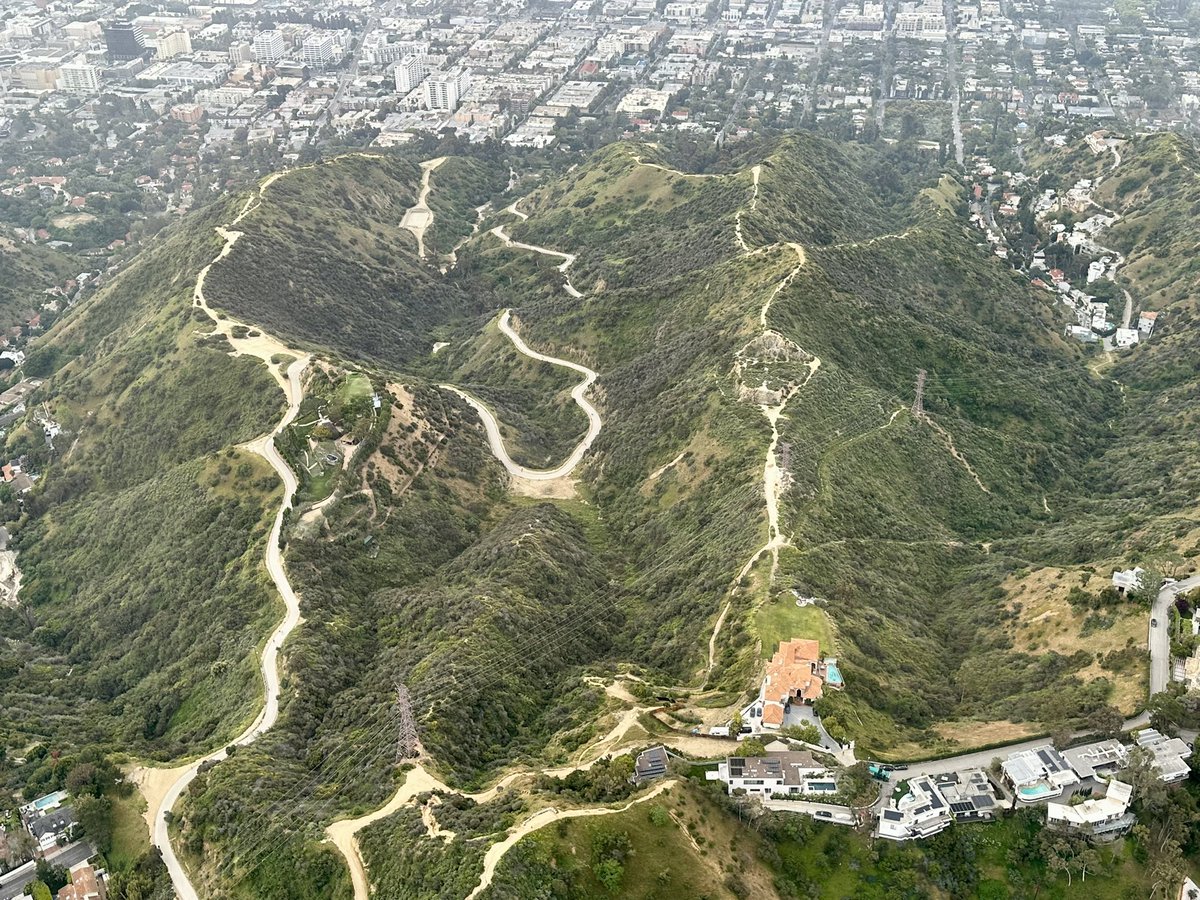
[(406, 741), (918, 407)]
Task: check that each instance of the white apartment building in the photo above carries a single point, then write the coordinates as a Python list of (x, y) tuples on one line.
[(444, 90), (317, 50), (411, 71), (172, 43), (268, 47), (79, 77)]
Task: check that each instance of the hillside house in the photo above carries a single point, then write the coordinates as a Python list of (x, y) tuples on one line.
[(792, 772), (796, 674), (1129, 580), (1038, 774), (1105, 818)]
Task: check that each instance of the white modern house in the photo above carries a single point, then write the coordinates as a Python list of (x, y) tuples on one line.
[(1038, 774), (1105, 818), (921, 813), (791, 772)]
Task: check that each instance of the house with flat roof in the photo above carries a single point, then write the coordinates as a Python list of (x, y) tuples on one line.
[(934, 801), (920, 813), (1101, 759), (793, 772), (1104, 818), (796, 674), (1038, 773), (1170, 754), (650, 764)]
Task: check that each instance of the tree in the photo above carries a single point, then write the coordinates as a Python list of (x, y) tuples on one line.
[(609, 873), (95, 818), (39, 890), (1107, 721), (53, 876), (753, 747)]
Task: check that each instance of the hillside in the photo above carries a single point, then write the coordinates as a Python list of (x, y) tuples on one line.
[(757, 330), (27, 271), (492, 608)]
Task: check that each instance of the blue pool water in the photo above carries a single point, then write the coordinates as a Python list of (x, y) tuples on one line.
[(832, 675), (1033, 792), (43, 803)]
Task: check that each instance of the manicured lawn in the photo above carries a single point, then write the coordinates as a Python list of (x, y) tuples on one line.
[(354, 386), (780, 619)]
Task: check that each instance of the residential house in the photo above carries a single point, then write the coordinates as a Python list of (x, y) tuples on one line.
[(797, 673), (86, 884), (793, 772), (920, 813), (1105, 818), (650, 764), (1038, 774), (1101, 759), (1170, 754), (1129, 580), (934, 801)]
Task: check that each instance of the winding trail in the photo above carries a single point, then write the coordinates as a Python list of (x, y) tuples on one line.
[(417, 219), (578, 393), (773, 476), (567, 258), (163, 788)]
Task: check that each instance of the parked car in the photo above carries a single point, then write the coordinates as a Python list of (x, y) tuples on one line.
[(1154, 623)]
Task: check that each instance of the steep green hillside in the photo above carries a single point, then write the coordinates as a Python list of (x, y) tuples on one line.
[(142, 599), (26, 272), (491, 608), (798, 278), (325, 263)]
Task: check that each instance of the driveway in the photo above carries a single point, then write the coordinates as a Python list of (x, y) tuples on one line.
[(1160, 639)]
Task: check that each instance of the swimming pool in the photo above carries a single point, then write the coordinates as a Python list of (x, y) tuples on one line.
[(41, 804), (1034, 792), (832, 675)]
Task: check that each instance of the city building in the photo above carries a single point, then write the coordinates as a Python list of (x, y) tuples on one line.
[(317, 50), (410, 72), (174, 42), (79, 77), (268, 47), (444, 90), (124, 41)]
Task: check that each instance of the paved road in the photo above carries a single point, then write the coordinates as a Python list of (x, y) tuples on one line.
[(492, 426), (12, 884), (1160, 639)]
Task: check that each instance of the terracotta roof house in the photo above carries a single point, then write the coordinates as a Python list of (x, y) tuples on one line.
[(797, 673)]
